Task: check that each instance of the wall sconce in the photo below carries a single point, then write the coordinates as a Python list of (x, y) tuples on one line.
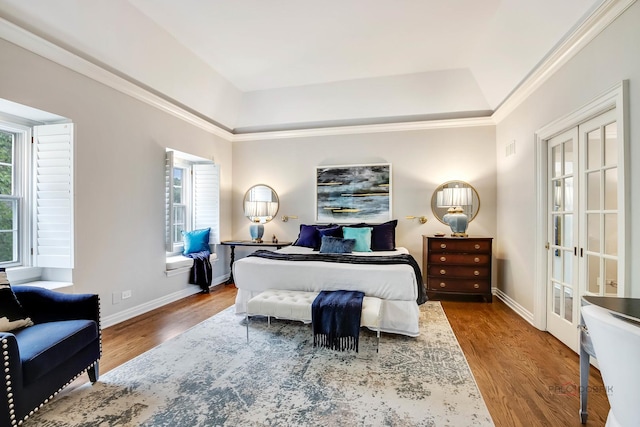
[(421, 219), (286, 218)]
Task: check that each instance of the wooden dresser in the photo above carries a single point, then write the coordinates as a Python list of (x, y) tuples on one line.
[(457, 265)]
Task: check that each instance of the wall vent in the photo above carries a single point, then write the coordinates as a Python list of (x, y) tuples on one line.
[(510, 149)]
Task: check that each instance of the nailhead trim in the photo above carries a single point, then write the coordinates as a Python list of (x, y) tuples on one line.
[(5, 358)]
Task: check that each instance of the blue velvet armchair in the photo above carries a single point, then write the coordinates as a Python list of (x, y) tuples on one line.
[(42, 359)]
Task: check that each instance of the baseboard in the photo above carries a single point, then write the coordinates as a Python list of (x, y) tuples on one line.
[(513, 305), (129, 313)]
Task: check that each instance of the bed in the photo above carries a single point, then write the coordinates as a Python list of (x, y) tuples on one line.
[(398, 285)]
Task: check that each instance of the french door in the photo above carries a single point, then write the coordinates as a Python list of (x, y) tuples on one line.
[(583, 199)]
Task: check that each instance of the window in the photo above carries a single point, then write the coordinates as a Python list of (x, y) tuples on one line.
[(180, 197), (10, 198), (192, 198), (36, 196)]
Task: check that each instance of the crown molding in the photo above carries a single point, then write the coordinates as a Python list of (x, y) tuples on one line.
[(597, 21), (42, 47), (359, 129)]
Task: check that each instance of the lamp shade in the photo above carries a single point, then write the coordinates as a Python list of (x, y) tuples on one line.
[(454, 196), (461, 196)]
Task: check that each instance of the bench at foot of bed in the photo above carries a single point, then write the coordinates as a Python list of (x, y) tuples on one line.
[(296, 305)]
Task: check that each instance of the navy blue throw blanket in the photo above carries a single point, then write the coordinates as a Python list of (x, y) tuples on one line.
[(354, 259), (335, 316), (201, 271)]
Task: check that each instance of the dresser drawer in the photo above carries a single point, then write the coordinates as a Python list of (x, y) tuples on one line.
[(459, 258), (459, 271), (459, 285), (459, 245)]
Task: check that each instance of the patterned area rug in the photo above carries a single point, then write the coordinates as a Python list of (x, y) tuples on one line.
[(210, 376)]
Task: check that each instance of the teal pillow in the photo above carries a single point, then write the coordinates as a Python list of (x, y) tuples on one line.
[(362, 236), (196, 241)]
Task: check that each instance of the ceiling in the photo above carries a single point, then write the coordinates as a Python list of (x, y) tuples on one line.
[(275, 64)]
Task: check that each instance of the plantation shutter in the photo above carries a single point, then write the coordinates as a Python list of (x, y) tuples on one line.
[(169, 201), (53, 196), (206, 195)]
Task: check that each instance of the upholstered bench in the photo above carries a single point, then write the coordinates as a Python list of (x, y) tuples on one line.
[(296, 305)]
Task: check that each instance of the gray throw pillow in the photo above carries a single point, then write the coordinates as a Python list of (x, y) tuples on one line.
[(336, 245)]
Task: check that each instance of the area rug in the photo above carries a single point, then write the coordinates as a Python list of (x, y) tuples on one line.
[(211, 376)]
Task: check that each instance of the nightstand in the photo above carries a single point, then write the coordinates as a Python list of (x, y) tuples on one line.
[(457, 265)]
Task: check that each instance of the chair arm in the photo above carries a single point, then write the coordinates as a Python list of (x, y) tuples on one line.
[(44, 305)]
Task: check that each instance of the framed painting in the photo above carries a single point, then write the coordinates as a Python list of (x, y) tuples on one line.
[(353, 193)]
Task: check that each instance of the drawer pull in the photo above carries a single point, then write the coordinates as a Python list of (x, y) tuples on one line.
[(443, 271), (443, 258), (443, 245), (442, 284), (476, 259), (476, 273), (477, 246), (475, 285)]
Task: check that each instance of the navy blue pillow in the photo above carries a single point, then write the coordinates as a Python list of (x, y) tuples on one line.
[(383, 236), (336, 245), (334, 231), (308, 237)]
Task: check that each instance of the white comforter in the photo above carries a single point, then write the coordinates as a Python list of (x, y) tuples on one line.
[(395, 284)]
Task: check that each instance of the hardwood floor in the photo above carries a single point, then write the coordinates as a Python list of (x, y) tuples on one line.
[(526, 376)]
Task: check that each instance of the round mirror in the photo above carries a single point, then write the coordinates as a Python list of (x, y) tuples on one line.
[(261, 203), (454, 194)]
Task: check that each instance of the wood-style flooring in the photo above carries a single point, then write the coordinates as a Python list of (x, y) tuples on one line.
[(526, 376)]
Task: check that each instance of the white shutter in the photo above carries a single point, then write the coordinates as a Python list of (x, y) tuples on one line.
[(206, 206), (169, 201), (53, 196)]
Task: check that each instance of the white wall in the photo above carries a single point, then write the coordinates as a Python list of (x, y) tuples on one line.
[(607, 60), (451, 92), (119, 177), (420, 160)]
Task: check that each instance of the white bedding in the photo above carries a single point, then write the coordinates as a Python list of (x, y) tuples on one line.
[(395, 284)]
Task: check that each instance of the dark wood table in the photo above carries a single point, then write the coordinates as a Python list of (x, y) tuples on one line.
[(629, 308), (233, 243)]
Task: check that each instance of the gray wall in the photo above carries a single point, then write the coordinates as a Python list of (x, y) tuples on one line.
[(119, 176), (607, 60)]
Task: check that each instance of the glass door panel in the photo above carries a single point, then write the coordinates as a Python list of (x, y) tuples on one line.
[(593, 190), (594, 149), (593, 274), (567, 230), (611, 234), (568, 304), (611, 144), (611, 189), (611, 276), (593, 238)]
